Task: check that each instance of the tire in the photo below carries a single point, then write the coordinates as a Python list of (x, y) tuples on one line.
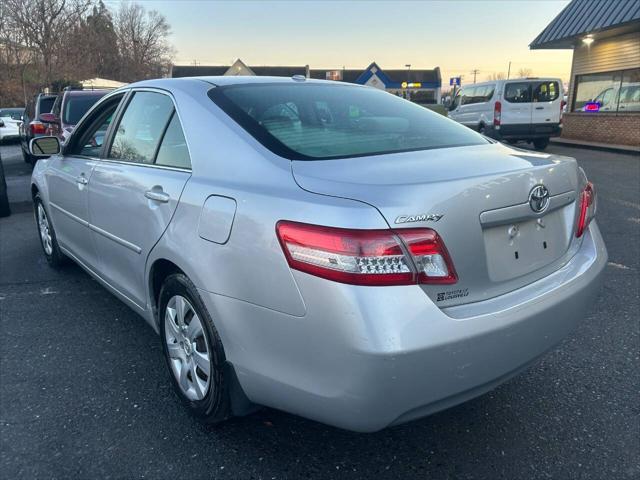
[(28, 159), (481, 129), (5, 209), (48, 241), (540, 143), (186, 347)]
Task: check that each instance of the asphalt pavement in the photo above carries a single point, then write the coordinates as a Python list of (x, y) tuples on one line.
[(84, 391)]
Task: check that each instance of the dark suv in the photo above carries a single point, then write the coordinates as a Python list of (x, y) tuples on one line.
[(68, 109), (31, 126)]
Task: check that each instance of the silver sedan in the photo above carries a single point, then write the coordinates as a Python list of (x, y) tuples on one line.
[(322, 248)]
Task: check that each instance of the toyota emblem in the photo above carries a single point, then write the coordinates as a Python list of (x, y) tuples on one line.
[(539, 198)]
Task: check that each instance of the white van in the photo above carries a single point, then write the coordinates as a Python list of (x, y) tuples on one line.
[(527, 109)]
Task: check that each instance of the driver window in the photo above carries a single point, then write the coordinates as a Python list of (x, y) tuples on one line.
[(90, 135)]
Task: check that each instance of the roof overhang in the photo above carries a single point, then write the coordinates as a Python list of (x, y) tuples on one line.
[(571, 42)]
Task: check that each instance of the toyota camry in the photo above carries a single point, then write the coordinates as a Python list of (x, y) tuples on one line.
[(326, 249)]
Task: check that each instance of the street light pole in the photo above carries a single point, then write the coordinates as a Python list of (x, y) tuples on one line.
[(408, 65)]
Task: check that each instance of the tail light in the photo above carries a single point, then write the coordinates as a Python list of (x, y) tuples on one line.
[(37, 128), (497, 113), (587, 208), (367, 257)]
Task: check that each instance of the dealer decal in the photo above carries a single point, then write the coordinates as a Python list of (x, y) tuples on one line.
[(452, 294)]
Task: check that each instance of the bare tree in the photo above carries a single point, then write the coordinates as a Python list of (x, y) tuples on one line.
[(142, 41), (525, 72), (497, 76), (42, 27)]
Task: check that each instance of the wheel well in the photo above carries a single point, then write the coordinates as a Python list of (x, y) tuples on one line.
[(160, 270), (34, 191)]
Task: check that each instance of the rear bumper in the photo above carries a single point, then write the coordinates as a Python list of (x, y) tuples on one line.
[(524, 131), (364, 358)]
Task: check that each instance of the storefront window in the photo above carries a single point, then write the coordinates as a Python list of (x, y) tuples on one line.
[(608, 92)]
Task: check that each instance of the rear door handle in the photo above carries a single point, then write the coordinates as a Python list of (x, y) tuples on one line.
[(539, 108), (158, 196)]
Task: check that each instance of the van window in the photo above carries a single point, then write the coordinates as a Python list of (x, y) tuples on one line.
[(519, 92), (545, 91), (467, 95), (483, 93)]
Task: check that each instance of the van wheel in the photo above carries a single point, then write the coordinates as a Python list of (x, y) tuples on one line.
[(540, 143), (193, 350)]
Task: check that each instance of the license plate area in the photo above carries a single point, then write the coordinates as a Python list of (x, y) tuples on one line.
[(518, 248)]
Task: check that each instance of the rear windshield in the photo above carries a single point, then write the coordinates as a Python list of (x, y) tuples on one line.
[(323, 121), (12, 113), (46, 104), (76, 106)]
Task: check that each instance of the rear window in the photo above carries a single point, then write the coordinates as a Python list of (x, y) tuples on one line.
[(308, 121), (12, 113), (545, 91), (76, 106), (46, 104), (517, 92)]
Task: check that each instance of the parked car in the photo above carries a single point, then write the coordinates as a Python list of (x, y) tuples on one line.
[(625, 98), (10, 119), (5, 209), (68, 108), (31, 126), (322, 248), (528, 109)]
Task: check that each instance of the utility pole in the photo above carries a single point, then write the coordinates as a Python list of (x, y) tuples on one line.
[(509, 71), (408, 92), (195, 63), (475, 72)]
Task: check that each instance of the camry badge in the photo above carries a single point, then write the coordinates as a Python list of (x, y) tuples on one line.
[(539, 198), (434, 217)]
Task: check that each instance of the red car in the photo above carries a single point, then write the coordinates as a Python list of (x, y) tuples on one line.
[(68, 109)]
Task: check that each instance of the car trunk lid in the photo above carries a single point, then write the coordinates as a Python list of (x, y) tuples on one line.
[(477, 199)]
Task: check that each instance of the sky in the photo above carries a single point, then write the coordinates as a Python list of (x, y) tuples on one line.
[(457, 36)]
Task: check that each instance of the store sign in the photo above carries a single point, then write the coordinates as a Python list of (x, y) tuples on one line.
[(334, 75), (454, 81), (411, 85)]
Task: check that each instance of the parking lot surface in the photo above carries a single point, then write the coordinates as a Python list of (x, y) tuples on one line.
[(84, 391)]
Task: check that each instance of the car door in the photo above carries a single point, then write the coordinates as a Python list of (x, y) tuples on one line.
[(546, 103), (67, 178), (135, 189), (517, 106)]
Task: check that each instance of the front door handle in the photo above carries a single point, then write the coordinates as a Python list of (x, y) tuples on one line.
[(82, 180), (158, 196)]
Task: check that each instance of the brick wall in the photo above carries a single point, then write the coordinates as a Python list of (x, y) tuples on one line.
[(603, 127)]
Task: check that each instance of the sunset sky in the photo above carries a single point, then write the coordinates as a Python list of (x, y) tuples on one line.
[(457, 36)]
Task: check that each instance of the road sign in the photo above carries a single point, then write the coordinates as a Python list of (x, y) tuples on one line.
[(454, 81)]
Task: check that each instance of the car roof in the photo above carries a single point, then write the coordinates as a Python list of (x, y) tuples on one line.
[(184, 82), (78, 93)]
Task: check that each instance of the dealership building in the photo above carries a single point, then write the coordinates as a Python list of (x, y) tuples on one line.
[(420, 86), (604, 87)]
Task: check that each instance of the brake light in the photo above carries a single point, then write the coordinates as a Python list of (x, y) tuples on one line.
[(367, 257), (37, 128), (497, 113), (587, 208)]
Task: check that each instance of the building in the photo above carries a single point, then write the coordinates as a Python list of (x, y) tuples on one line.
[(604, 87), (420, 86), (238, 68)]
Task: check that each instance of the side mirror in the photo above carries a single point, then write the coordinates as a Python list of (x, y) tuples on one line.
[(44, 146), (49, 118)]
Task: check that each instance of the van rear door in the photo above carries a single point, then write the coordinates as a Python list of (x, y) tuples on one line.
[(546, 104), (517, 107)]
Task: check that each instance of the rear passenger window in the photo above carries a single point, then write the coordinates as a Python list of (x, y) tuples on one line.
[(545, 91), (173, 150), (140, 128), (517, 92), (467, 96)]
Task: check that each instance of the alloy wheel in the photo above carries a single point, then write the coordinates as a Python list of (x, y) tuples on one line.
[(188, 348), (45, 231)]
